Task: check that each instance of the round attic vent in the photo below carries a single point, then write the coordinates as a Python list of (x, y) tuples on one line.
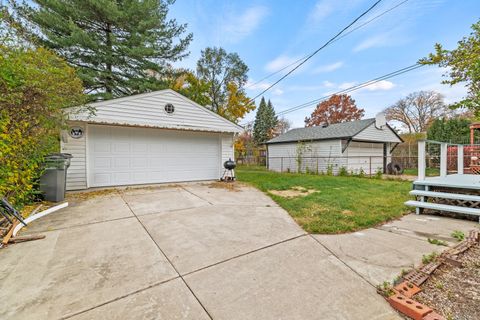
[(169, 108)]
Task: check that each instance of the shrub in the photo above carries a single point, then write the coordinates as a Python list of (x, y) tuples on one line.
[(379, 173), (361, 173), (343, 171), (330, 170), (35, 86)]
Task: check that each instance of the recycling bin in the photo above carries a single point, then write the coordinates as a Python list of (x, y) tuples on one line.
[(53, 181)]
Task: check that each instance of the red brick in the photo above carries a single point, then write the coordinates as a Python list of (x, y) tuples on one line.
[(416, 277), (452, 260), (409, 307), (433, 316), (430, 267), (407, 289), (473, 236)]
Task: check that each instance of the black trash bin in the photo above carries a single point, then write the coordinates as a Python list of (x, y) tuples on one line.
[(53, 182)]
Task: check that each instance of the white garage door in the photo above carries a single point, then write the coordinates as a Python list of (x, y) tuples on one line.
[(124, 156)]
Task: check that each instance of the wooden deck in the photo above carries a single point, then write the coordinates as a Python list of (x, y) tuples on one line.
[(461, 181), (457, 193)]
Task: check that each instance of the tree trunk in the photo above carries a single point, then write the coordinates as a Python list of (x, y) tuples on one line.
[(109, 78)]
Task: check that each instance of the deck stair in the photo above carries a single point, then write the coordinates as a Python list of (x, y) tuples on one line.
[(445, 195), (423, 195)]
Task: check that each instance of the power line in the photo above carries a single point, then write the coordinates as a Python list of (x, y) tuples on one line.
[(316, 51), (355, 87), (341, 37), (350, 89)]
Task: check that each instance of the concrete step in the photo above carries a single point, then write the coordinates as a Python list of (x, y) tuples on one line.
[(443, 207), (445, 195)]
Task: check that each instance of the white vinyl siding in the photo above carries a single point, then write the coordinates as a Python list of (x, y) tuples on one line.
[(364, 156), (77, 173), (147, 110), (371, 133), (227, 149), (317, 156)]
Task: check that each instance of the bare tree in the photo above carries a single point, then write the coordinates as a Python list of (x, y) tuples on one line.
[(417, 111), (283, 125)]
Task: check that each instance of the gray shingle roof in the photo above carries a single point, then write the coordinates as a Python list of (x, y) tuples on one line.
[(333, 131)]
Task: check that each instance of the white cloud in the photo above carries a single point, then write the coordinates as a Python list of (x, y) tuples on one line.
[(278, 92), (346, 85), (328, 67), (252, 85), (381, 85), (262, 85), (280, 62), (328, 84), (380, 40), (325, 8), (239, 26), (322, 9)]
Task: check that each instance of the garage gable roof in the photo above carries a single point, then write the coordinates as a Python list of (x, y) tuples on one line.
[(344, 130), (148, 110)]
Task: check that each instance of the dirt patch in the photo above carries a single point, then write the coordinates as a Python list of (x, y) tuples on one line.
[(455, 292), (293, 192), (81, 196), (401, 177), (231, 186), (347, 212)]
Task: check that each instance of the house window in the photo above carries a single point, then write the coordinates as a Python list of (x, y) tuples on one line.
[(169, 108)]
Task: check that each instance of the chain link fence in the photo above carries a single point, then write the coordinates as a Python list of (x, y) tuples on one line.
[(404, 160)]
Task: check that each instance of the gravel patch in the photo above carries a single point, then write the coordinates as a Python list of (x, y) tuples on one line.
[(455, 292)]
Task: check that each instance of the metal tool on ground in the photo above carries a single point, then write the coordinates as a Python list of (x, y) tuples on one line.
[(9, 212), (229, 172)]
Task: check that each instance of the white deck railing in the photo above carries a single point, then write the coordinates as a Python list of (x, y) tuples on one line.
[(422, 165)]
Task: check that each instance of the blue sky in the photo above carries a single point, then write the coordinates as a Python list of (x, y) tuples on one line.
[(271, 34)]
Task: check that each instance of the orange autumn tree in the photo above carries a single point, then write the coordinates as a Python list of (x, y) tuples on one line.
[(339, 108)]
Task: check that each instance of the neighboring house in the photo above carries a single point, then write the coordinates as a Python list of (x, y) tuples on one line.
[(357, 145), (154, 137)]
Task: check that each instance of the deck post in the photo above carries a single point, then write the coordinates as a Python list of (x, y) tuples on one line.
[(460, 159), (443, 159), (421, 160)]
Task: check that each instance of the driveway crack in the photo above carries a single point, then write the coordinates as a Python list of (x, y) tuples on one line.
[(169, 261), (196, 195), (343, 262)]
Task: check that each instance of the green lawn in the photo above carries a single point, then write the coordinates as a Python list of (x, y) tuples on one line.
[(429, 172), (341, 204)]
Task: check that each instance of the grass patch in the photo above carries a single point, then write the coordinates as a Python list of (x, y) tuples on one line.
[(457, 234), (427, 258), (340, 204), (437, 242), (429, 172)]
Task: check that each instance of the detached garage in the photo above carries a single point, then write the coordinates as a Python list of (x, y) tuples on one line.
[(156, 137), (356, 146)]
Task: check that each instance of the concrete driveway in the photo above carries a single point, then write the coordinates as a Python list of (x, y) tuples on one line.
[(195, 251)]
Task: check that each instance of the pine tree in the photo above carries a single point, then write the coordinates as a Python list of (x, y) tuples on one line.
[(258, 126), (120, 47), (270, 118), (265, 122)]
